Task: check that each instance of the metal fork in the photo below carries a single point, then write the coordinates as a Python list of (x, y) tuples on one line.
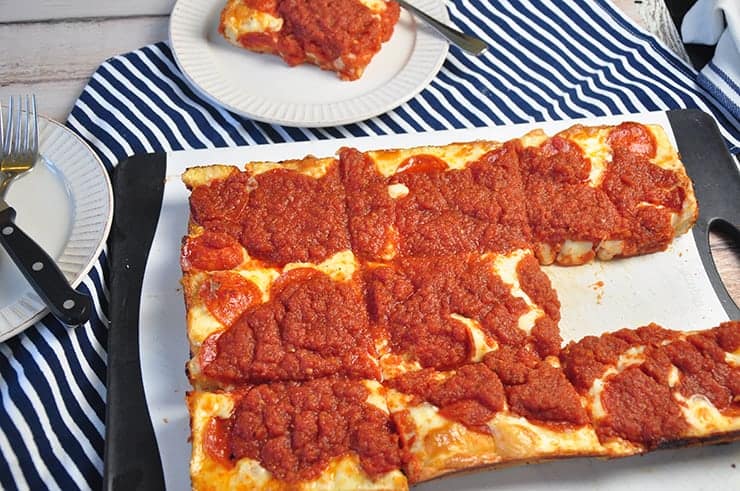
[(19, 141)]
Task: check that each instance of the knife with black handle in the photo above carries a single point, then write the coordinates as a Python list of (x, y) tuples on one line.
[(64, 302)]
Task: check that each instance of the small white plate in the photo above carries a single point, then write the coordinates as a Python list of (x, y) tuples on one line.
[(264, 88), (65, 203)]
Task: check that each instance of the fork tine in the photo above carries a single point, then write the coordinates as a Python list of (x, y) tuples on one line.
[(18, 121), (8, 140), (2, 136), (34, 148)]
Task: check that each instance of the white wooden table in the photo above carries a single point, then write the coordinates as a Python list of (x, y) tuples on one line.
[(51, 47)]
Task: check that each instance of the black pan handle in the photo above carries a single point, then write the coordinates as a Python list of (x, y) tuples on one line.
[(67, 304)]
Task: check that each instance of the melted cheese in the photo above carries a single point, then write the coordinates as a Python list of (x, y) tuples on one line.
[(505, 266), (309, 166), (593, 143), (703, 417), (575, 252), (238, 19), (398, 190), (733, 359), (339, 267), (519, 439), (456, 155), (482, 343)]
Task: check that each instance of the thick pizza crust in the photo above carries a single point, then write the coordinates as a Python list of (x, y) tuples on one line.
[(209, 474)]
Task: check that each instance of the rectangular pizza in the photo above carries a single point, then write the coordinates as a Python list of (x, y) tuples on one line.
[(341, 36), (376, 319)]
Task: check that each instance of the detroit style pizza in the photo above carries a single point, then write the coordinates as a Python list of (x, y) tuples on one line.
[(376, 319), (341, 36)]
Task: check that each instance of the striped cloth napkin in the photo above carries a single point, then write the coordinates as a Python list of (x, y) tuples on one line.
[(548, 61)]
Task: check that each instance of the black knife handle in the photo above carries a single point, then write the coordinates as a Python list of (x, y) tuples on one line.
[(67, 304)]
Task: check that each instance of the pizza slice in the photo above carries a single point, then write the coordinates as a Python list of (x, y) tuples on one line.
[(325, 434), (511, 408), (444, 312), (604, 191), (277, 298), (341, 36), (650, 388), (435, 201), (622, 394)]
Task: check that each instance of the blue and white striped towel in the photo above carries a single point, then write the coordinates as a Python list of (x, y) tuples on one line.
[(548, 61)]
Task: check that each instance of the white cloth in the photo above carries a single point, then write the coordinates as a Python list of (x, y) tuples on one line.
[(717, 22)]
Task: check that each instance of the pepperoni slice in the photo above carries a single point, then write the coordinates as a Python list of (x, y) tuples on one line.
[(633, 138), (216, 440), (422, 163), (211, 251), (227, 295)]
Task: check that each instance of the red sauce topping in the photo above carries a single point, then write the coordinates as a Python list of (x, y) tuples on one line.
[(211, 251), (536, 284), (630, 180), (560, 203), (639, 400), (476, 209), (280, 216), (547, 396), (295, 429), (370, 208), (333, 29), (227, 295), (414, 299), (640, 409), (704, 369), (535, 389), (471, 396), (588, 359), (728, 335), (311, 327)]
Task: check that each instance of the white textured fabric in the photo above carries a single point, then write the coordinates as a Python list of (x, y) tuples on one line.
[(717, 22)]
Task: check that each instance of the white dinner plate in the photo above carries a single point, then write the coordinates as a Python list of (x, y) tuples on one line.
[(65, 203), (263, 87)]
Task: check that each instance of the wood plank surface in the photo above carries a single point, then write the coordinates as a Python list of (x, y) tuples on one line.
[(44, 10), (64, 54)]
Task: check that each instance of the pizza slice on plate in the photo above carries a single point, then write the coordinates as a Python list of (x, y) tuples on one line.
[(342, 36)]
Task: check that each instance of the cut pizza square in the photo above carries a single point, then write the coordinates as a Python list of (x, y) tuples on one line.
[(443, 312), (433, 201), (604, 191), (261, 310), (327, 433), (511, 408), (650, 387), (341, 36)]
